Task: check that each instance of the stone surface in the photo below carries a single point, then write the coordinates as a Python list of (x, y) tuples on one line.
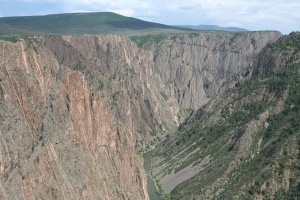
[(58, 140)]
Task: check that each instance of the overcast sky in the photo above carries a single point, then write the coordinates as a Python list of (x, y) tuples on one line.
[(282, 15)]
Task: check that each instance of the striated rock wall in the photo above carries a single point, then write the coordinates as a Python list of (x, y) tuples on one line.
[(58, 140), (194, 66), (73, 109)]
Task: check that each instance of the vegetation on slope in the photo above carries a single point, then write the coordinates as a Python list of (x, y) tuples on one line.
[(86, 23), (251, 135), (9, 30)]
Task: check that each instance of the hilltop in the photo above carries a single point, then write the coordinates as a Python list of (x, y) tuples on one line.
[(85, 23)]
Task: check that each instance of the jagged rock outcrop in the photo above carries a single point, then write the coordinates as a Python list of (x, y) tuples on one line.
[(73, 107)]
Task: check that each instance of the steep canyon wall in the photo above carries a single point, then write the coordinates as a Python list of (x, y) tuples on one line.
[(73, 107)]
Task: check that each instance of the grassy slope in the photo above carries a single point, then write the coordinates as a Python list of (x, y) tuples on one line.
[(9, 30), (252, 135), (87, 23)]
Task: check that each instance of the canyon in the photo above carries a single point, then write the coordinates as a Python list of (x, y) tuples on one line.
[(77, 111)]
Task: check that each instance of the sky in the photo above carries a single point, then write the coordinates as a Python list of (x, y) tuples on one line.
[(281, 15)]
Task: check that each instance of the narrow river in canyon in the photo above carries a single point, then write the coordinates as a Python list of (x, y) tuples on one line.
[(152, 190)]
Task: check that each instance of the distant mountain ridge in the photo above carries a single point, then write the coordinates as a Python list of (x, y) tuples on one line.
[(86, 23), (94, 23), (213, 28)]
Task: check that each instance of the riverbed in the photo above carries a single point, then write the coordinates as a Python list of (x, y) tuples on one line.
[(152, 190)]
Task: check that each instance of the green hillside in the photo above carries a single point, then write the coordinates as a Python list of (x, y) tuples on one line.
[(6, 29), (244, 143), (87, 23)]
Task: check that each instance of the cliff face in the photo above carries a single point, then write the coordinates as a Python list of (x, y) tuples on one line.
[(194, 66), (73, 107), (59, 140)]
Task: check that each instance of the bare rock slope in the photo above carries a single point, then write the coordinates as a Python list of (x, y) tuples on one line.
[(58, 140)]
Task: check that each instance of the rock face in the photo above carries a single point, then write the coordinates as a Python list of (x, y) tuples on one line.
[(72, 108), (194, 66), (58, 140)]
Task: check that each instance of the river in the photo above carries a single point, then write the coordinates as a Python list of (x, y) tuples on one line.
[(152, 190)]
